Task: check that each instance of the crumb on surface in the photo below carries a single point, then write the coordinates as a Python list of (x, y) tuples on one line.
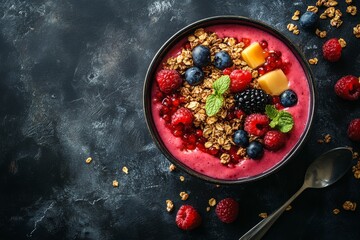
[(320, 34), (88, 160), (352, 10), (125, 170), (184, 196), (169, 205), (325, 139), (356, 31), (172, 167), (212, 202), (293, 28), (336, 211), (296, 15), (263, 215), (182, 178), (312, 9), (349, 206), (313, 61), (356, 167), (342, 42), (208, 209), (115, 183), (288, 208)]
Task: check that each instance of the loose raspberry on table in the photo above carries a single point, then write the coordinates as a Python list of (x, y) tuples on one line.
[(187, 218), (354, 129), (256, 124), (274, 140), (348, 88), (332, 50), (227, 210), (168, 80), (182, 115), (240, 80)]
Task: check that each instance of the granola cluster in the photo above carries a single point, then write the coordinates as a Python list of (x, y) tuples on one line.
[(218, 129)]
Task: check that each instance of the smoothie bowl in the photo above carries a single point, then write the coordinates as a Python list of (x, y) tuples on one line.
[(229, 99)]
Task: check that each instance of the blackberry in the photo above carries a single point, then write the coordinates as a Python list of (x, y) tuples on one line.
[(252, 100)]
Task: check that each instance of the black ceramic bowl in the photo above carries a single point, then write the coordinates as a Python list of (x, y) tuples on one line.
[(182, 34)]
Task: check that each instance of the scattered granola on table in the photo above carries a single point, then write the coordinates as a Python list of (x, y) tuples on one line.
[(313, 61), (336, 211), (172, 167), (320, 34), (356, 31), (115, 183), (342, 42), (88, 160), (349, 206), (326, 139), (296, 15), (125, 170), (263, 215), (184, 196), (169, 205), (212, 202)]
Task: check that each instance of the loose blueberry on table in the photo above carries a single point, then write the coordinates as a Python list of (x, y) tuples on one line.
[(252, 98)]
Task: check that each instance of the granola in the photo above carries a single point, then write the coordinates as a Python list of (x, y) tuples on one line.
[(349, 206), (169, 205), (88, 160), (356, 31)]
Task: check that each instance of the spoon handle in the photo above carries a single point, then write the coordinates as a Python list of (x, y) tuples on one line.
[(259, 230)]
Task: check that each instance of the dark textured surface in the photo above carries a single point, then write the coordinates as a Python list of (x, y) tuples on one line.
[(71, 77)]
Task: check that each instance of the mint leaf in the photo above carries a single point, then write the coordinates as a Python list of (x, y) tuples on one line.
[(271, 111), (281, 120), (221, 84), (273, 123), (213, 104), (285, 122)]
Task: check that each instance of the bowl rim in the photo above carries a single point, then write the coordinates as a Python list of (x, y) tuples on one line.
[(203, 23)]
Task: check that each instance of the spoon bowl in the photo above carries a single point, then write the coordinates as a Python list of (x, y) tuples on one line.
[(328, 168), (324, 171)]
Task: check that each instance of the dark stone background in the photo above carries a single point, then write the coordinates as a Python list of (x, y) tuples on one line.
[(71, 78)]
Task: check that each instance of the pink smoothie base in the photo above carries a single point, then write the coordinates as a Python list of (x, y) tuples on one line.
[(209, 165)]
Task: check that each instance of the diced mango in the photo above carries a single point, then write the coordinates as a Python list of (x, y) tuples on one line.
[(253, 55), (274, 82)]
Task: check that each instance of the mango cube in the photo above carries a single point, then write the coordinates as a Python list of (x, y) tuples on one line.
[(274, 82), (253, 55)]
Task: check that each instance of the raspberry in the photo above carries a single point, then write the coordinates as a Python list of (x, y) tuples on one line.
[(182, 115), (354, 130), (228, 70), (168, 80), (240, 79), (256, 124), (274, 140), (332, 50), (187, 218), (348, 88), (227, 210)]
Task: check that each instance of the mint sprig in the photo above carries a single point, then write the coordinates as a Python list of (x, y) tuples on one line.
[(215, 101), (281, 120)]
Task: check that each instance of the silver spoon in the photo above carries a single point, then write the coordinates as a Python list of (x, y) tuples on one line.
[(324, 171)]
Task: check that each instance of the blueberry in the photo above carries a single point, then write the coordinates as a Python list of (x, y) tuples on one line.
[(194, 76), (255, 150), (241, 138), (222, 60), (201, 56), (288, 98), (308, 20)]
